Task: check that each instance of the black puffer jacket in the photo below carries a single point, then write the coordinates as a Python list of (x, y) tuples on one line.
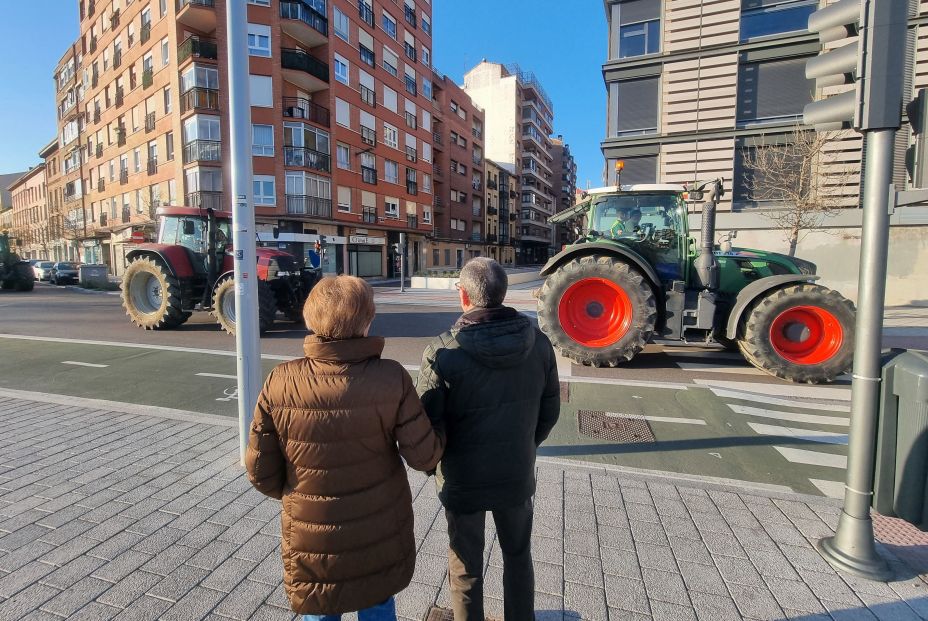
[(491, 385)]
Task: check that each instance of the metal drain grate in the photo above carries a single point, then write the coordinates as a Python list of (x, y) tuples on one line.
[(445, 614), (621, 429)]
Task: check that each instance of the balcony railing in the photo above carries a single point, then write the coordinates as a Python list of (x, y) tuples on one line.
[(202, 151), (412, 187), (410, 16), (103, 218), (477, 237), (119, 97), (368, 136), (117, 59), (369, 175), (438, 205), (149, 122), (94, 80), (301, 61), (145, 33), (198, 98), (491, 184), (368, 96), (437, 171), (124, 176), (492, 211), (369, 215), (411, 154), (437, 139), (96, 115), (152, 167), (306, 14), (204, 200), (204, 3), (476, 133), (412, 221), (197, 47), (309, 205), (491, 238), (125, 215), (99, 149), (366, 13), (121, 136), (307, 158), (300, 108), (93, 44), (513, 216), (410, 52), (148, 78), (101, 184)]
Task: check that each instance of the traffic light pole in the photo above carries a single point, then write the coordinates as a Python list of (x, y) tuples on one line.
[(852, 549), (247, 347)]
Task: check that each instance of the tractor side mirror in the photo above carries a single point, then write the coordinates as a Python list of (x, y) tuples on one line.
[(188, 227)]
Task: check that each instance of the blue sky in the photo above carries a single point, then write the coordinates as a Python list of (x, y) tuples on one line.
[(563, 43)]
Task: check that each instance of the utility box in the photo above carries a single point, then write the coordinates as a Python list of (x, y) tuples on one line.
[(91, 274), (900, 483)]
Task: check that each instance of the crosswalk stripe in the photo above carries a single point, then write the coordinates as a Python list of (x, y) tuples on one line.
[(756, 398), (812, 458), (781, 389), (711, 368), (660, 419), (811, 435), (790, 416), (832, 489)]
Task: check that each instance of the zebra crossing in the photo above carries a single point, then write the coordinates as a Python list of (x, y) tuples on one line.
[(813, 429)]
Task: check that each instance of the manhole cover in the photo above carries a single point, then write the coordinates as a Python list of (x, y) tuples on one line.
[(445, 614), (614, 428)]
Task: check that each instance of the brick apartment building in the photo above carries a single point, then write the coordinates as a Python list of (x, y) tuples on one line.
[(29, 217), (502, 213), (565, 187)]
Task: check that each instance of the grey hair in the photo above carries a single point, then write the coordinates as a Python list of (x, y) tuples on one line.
[(485, 282)]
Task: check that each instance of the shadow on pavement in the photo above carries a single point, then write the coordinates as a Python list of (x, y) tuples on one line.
[(566, 450)]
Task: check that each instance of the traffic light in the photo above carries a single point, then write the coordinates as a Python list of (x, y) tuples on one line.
[(874, 65)]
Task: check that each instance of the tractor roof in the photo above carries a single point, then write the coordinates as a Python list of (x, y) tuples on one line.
[(196, 212), (638, 187)]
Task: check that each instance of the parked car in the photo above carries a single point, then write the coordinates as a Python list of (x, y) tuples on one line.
[(41, 269), (62, 273)]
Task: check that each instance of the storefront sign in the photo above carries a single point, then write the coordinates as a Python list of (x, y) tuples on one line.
[(367, 241)]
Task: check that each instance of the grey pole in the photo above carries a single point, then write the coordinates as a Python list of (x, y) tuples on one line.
[(402, 262), (248, 351), (852, 549)]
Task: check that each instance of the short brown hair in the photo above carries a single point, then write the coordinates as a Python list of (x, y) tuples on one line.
[(340, 307)]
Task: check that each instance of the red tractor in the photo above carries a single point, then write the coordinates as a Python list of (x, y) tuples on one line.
[(190, 268)]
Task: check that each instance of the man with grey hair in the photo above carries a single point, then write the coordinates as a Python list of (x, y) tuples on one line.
[(491, 385)]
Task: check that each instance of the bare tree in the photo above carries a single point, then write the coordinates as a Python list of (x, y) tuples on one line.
[(802, 182)]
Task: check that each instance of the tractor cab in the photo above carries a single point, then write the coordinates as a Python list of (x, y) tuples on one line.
[(190, 229)]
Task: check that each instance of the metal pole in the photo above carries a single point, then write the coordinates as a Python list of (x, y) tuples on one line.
[(852, 549), (247, 347), (402, 262)]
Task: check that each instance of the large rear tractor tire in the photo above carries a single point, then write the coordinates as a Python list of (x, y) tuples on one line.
[(25, 281), (801, 333), (152, 296), (224, 305), (597, 310)]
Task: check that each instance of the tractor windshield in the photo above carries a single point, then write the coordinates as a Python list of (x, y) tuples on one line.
[(652, 224)]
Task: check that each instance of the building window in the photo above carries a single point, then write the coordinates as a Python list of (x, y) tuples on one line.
[(259, 40), (773, 91), (637, 170), (426, 88), (367, 56), (262, 140), (389, 98), (169, 146), (260, 2), (264, 190), (761, 18), (633, 106), (342, 112), (390, 135), (343, 156), (390, 61), (341, 24), (426, 56), (341, 69), (162, 7), (261, 91), (388, 24), (167, 99), (747, 176), (391, 172), (165, 52), (344, 199), (426, 25), (639, 28), (391, 207)]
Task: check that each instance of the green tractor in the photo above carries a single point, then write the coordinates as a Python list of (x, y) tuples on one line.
[(15, 273), (634, 274)]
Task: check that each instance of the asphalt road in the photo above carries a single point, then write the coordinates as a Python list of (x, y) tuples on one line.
[(676, 409)]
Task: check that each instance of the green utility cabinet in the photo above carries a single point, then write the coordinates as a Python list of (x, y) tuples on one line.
[(900, 484)]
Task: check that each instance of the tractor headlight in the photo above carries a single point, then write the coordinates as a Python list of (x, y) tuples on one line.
[(805, 267)]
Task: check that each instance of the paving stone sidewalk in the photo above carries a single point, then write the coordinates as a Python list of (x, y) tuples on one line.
[(111, 511)]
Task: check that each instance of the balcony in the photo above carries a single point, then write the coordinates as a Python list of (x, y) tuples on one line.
[(366, 13), (117, 59), (437, 139), (491, 184), (476, 237), (300, 108), (301, 157), (491, 238), (149, 122), (369, 215), (437, 172), (411, 154), (125, 215), (101, 184), (124, 176), (492, 211), (99, 149), (120, 136), (309, 205), (95, 80), (204, 200), (197, 14), (103, 218), (198, 98), (197, 48), (148, 78), (513, 216), (368, 136), (145, 33), (369, 175), (202, 151), (304, 70), (303, 23), (96, 115), (120, 99), (410, 16), (439, 205), (410, 52), (412, 221), (368, 96), (114, 19), (152, 167), (478, 135), (93, 44)]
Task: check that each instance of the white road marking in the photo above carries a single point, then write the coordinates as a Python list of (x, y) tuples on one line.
[(756, 398), (832, 489), (812, 458), (712, 368), (790, 416), (659, 419), (219, 375), (825, 437), (85, 364), (782, 389)]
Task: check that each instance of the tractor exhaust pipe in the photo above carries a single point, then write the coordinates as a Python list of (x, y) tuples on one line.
[(707, 267)]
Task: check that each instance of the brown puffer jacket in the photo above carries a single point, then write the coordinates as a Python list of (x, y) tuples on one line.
[(327, 437)]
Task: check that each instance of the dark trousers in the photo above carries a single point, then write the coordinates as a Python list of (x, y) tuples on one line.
[(465, 562)]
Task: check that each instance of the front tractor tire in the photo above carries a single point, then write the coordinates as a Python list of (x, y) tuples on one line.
[(597, 310), (224, 305), (152, 296), (801, 333)]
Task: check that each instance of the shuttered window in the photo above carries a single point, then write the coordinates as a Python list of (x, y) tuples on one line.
[(637, 170), (773, 90), (637, 106)]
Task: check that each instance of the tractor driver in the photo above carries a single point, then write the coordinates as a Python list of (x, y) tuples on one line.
[(627, 222)]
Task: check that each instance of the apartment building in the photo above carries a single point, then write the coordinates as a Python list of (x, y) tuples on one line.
[(694, 88), (28, 195), (64, 242), (502, 214), (458, 172), (330, 81), (6, 201), (565, 170), (519, 123)]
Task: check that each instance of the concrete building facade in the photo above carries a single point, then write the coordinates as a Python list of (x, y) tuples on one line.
[(29, 199), (695, 87), (502, 227), (6, 200), (519, 123)]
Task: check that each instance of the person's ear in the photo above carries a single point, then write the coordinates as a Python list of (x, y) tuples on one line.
[(465, 299)]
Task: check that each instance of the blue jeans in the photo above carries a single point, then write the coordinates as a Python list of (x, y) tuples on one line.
[(385, 611)]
